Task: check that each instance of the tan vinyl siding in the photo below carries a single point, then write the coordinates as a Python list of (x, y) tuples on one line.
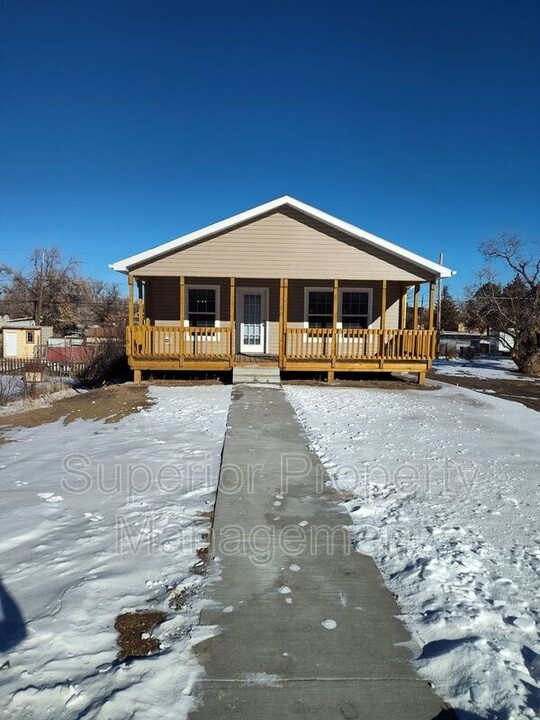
[(284, 244)]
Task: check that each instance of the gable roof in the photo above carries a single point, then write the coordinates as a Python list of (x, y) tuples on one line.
[(282, 202)]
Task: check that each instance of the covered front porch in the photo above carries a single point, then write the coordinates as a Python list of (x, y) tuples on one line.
[(194, 324)]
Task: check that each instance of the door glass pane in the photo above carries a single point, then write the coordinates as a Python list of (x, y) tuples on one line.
[(252, 319), (252, 308)]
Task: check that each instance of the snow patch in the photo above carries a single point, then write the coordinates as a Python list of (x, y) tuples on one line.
[(443, 491), (100, 519), (497, 368), (329, 624)]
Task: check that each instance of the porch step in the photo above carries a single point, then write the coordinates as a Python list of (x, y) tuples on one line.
[(253, 373)]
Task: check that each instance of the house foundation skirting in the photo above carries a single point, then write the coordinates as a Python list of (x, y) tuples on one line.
[(220, 365)]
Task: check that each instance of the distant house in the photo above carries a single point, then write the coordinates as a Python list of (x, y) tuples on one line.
[(285, 286), (96, 334), (22, 338)]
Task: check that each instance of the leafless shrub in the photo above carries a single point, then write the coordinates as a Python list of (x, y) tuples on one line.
[(109, 364), (12, 387)]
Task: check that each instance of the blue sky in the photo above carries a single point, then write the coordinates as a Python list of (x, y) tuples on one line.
[(125, 124)]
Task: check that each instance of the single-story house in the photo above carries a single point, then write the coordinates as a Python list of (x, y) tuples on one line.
[(285, 286), (96, 334), (23, 339)]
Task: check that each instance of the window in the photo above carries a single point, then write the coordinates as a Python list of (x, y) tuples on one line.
[(30, 337), (202, 305), (354, 309), (320, 304)]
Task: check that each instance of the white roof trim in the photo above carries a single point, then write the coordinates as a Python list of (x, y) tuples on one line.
[(125, 265)]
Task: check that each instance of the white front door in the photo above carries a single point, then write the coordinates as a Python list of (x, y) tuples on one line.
[(252, 317), (10, 344)]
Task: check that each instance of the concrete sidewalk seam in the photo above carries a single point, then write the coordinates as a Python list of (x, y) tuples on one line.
[(276, 683)]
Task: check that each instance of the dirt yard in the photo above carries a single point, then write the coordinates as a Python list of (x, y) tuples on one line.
[(525, 392), (110, 403)]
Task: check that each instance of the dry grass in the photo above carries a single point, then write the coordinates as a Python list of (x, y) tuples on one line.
[(131, 627), (111, 404)]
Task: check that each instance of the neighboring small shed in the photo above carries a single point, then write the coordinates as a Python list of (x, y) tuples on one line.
[(23, 338)]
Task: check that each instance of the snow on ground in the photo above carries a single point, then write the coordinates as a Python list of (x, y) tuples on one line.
[(14, 393), (444, 494), (99, 519), (484, 368)]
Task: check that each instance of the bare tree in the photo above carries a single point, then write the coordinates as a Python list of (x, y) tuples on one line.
[(47, 291), (52, 292), (511, 308), (102, 303)]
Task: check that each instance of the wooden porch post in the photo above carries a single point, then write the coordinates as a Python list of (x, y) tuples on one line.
[(131, 312), (416, 304), (284, 319), (147, 301), (432, 341), (140, 308), (137, 374), (232, 319), (383, 323), (335, 307), (280, 331), (403, 319), (432, 287), (182, 317)]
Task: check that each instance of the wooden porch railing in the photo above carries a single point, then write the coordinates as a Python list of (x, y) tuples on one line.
[(359, 344), (156, 341), (168, 342)]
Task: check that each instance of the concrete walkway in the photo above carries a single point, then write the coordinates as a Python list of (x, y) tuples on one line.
[(307, 628)]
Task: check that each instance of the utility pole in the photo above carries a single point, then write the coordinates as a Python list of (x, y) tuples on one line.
[(439, 296)]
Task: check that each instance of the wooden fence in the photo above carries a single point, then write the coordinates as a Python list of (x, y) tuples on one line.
[(18, 366)]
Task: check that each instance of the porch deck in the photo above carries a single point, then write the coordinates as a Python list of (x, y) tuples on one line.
[(278, 320), (250, 359), (343, 349)]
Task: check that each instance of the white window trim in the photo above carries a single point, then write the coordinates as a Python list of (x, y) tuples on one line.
[(216, 288), (341, 290)]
